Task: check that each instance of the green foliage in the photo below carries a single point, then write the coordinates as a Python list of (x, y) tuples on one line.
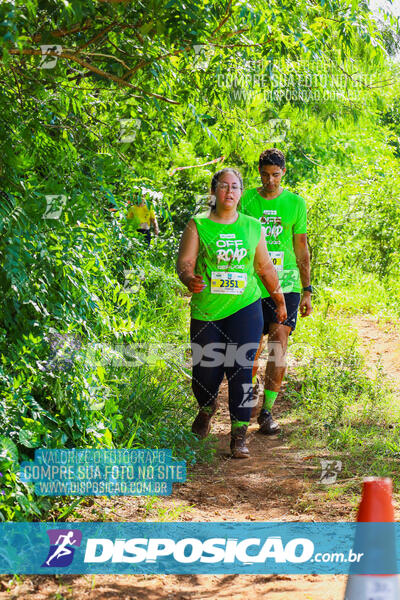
[(133, 91), (354, 222), (72, 299), (17, 503), (341, 407)]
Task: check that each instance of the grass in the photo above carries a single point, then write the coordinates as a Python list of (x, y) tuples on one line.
[(157, 411), (362, 293), (340, 407), (155, 510)]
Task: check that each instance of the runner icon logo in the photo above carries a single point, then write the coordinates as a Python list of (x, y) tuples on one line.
[(330, 470), (61, 553), (249, 399)]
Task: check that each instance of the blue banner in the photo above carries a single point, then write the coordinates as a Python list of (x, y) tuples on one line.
[(195, 548)]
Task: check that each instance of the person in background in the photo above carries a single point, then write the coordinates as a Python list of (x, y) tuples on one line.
[(143, 219)]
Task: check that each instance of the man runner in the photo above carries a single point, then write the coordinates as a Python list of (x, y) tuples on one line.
[(284, 218)]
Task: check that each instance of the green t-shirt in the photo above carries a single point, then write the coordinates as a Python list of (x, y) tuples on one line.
[(280, 217), (226, 263)]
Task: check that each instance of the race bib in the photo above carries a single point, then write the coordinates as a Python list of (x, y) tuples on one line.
[(277, 260), (228, 283)]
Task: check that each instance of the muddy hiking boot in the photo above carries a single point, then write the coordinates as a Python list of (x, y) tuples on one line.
[(267, 424), (201, 426), (238, 442)]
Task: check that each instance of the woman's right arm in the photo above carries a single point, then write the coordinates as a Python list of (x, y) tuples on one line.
[(187, 257)]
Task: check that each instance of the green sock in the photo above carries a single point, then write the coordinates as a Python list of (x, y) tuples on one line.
[(269, 400), (236, 424), (254, 379)]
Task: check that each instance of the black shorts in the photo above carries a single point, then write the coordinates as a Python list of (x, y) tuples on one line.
[(292, 300), (147, 235)]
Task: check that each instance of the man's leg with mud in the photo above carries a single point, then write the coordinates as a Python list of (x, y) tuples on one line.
[(276, 366), (278, 336)]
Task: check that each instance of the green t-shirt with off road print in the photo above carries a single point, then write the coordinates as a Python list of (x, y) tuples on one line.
[(226, 263), (280, 218)]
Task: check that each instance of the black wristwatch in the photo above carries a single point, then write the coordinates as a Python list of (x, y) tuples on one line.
[(308, 289)]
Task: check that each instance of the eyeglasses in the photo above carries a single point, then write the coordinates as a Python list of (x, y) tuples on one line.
[(225, 186)]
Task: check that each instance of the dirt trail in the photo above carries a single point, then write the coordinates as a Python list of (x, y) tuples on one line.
[(278, 483), (380, 343)]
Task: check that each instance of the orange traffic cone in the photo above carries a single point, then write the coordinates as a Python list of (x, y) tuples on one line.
[(376, 507)]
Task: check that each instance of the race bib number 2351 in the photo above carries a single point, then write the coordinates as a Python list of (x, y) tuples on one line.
[(228, 283)]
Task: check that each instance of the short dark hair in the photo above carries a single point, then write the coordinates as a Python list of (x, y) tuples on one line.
[(272, 156)]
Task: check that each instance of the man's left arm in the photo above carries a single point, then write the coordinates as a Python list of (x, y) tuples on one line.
[(303, 262)]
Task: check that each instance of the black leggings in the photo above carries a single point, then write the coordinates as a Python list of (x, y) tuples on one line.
[(226, 346)]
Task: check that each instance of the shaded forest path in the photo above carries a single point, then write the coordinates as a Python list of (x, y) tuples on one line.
[(278, 483)]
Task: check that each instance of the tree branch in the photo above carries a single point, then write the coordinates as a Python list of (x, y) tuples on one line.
[(94, 69), (144, 63), (116, 47), (96, 37), (111, 56), (210, 162), (225, 18), (63, 32)]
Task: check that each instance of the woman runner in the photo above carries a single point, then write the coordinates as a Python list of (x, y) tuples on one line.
[(218, 257)]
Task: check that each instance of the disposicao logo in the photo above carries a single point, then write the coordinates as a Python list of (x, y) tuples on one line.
[(191, 550), (61, 552)]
